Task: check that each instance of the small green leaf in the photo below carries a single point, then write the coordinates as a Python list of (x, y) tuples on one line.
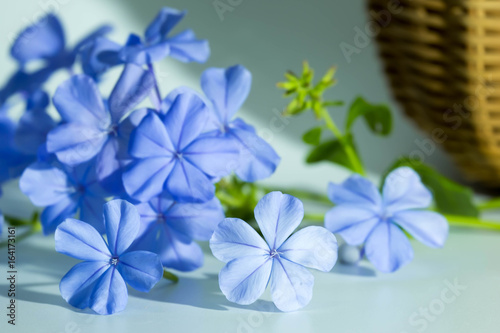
[(313, 136), (377, 116), (333, 103), (332, 151), (450, 197)]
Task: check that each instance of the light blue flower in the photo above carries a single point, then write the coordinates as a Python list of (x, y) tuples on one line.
[(91, 129), (227, 89), (64, 191), (99, 282), (363, 215), (169, 229), (172, 153), (253, 263)]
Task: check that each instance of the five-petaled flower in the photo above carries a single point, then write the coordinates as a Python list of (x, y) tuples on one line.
[(99, 282), (252, 263), (169, 229), (362, 215)]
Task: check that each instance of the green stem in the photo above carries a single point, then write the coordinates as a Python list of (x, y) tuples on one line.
[(349, 150), (170, 276), (302, 194), (490, 204)]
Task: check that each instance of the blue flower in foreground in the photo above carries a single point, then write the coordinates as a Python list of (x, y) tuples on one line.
[(64, 191), (169, 229), (362, 215), (228, 89), (93, 130), (173, 154), (103, 53), (99, 282), (252, 263), (42, 41)]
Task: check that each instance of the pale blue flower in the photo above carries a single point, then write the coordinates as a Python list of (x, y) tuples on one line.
[(99, 282), (363, 215), (253, 263)]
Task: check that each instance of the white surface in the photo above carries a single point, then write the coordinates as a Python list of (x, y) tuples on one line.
[(348, 299)]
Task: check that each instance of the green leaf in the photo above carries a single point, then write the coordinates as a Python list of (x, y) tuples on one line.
[(449, 196), (377, 116), (313, 136), (331, 151)]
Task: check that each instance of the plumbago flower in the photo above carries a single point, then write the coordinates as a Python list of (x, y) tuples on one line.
[(252, 263), (228, 89), (91, 129), (169, 229), (172, 153), (102, 53), (99, 282), (43, 41), (64, 191), (362, 215)]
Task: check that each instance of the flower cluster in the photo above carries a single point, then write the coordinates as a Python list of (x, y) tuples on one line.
[(165, 158)]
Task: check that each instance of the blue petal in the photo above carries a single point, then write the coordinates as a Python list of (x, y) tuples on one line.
[(140, 269), (44, 184), (55, 214), (166, 19), (90, 56), (32, 130), (278, 215), (42, 40), (109, 166), (185, 119), (78, 100), (215, 156), (109, 294), (227, 89), (80, 240), (177, 250), (91, 209), (150, 139), (353, 222), (258, 160), (122, 222), (187, 183), (74, 143), (313, 247), (197, 221), (144, 54), (291, 285), (429, 228), (186, 48), (145, 178), (132, 87), (244, 280), (234, 238), (78, 283), (388, 248), (355, 190), (403, 190)]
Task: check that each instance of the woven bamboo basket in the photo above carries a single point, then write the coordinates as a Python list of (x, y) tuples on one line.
[(442, 58)]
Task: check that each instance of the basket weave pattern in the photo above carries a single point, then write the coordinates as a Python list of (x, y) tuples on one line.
[(442, 59)]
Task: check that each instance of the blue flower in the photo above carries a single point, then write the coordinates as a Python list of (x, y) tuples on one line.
[(169, 229), (173, 154), (103, 53), (91, 129), (42, 41), (34, 125), (64, 191), (362, 215), (99, 282), (228, 89), (252, 263)]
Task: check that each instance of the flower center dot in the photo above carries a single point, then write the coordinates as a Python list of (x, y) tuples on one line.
[(113, 261), (273, 253)]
